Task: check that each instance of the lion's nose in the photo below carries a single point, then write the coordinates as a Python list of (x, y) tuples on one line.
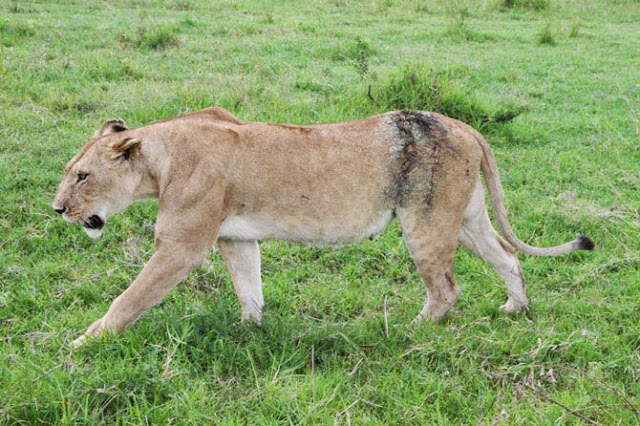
[(62, 210)]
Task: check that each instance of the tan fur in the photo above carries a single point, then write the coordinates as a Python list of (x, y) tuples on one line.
[(221, 180)]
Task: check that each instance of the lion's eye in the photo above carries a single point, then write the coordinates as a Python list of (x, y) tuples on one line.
[(82, 176)]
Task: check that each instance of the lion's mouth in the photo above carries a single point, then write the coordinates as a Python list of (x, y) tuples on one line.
[(94, 222)]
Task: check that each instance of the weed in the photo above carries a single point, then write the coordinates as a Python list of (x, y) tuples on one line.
[(183, 5), (460, 29), (152, 37), (421, 88), (310, 86), (525, 4), (359, 52), (66, 104), (421, 6), (14, 34), (545, 36), (575, 29), (384, 5), (189, 22), (158, 37), (114, 71), (15, 6), (269, 17)]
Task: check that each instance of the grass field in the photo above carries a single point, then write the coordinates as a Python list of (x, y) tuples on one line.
[(554, 86)]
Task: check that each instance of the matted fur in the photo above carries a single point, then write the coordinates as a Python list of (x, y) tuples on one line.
[(223, 181)]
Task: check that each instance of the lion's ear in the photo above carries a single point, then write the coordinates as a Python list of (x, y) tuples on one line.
[(111, 126), (125, 149)]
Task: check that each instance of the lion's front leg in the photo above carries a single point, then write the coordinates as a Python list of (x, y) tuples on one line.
[(186, 229), (161, 273), (243, 262)]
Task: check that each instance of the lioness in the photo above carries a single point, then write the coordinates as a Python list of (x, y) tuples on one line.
[(232, 183)]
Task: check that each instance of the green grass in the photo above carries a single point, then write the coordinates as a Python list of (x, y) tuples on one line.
[(569, 161)]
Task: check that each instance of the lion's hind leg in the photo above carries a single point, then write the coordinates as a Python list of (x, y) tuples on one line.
[(432, 245), (480, 238)]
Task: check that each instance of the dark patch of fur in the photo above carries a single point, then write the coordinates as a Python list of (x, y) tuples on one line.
[(114, 125), (585, 243), (127, 154), (117, 127), (415, 165), (449, 277)]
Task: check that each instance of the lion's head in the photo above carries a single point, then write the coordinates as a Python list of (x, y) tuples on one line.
[(101, 179)]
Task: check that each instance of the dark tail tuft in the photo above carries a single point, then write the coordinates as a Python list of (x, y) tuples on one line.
[(585, 243)]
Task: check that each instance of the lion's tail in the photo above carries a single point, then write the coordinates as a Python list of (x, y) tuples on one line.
[(496, 195)]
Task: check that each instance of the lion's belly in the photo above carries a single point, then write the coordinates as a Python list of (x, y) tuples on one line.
[(255, 227)]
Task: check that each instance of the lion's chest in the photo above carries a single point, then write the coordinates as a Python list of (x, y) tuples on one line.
[(346, 231)]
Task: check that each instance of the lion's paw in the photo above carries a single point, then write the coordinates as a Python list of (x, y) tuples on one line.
[(79, 341), (512, 306), (94, 329)]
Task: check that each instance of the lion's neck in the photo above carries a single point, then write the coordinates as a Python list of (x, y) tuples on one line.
[(153, 166), (148, 188)]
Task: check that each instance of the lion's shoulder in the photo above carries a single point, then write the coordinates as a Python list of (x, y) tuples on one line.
[(210, 114), (220, 114)]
